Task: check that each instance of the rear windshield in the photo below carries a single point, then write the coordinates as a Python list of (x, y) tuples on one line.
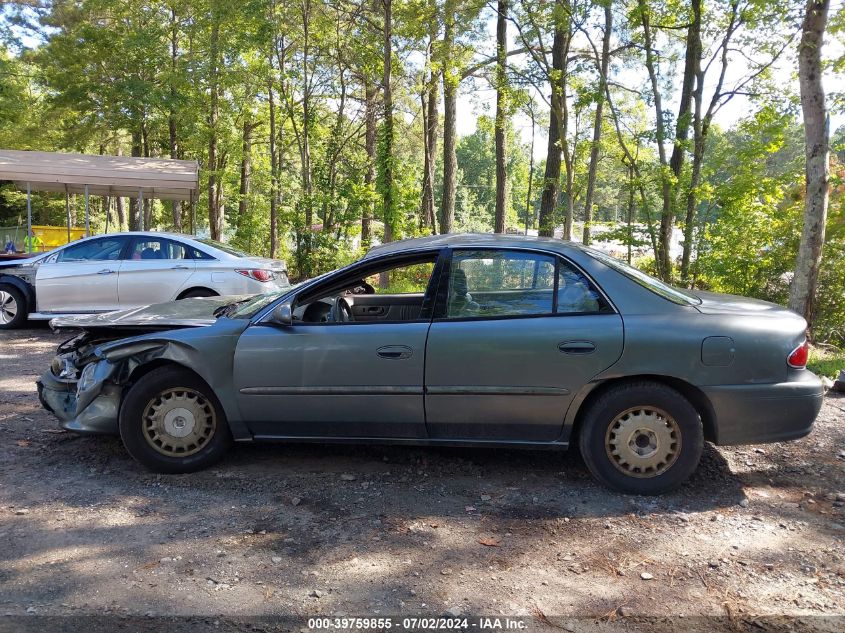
[(223, 247), (675, 295)]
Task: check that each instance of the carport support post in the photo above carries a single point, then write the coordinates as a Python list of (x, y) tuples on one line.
[(67, 213), (193, 214), (87, 218), (28, 218), (141, 209)]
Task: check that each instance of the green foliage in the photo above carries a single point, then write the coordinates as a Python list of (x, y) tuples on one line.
[(187, 77), (826, 361), (751, 238)]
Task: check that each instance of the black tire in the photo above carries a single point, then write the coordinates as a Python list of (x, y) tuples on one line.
[(13, 307), (643, 416), (199, 292), (144, 430)]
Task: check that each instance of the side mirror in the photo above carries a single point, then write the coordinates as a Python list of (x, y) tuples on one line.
[(282, 314)]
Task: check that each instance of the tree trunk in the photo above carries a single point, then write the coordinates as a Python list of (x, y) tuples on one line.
[(120, 210), (501, 116), (176, 209), (699, 139), (135, 210), (662, 258), (692, 63), (551, 186), (816, 154), (274, 167), (370, 175), (388, 202), (246, 169), (215, 211), (305, 145), (450, 100), (597, 124), (430, 97), (701, 124), (630, 232)]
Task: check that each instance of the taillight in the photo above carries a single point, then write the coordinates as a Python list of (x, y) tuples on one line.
[(797, 359), (257, 274)]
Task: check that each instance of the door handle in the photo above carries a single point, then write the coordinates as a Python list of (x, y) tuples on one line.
[(179, 267), (577, 347), (105, 271), (394, 352)]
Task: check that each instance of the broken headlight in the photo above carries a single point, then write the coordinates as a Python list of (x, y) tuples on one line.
[(63, 367), (86, 380)]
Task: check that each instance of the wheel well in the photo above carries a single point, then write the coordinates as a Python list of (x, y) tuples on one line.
[(203, 288), (692, 393), (142, 370), (19, 284)]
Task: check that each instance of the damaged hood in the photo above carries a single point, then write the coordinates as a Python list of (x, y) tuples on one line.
[(197, 312)]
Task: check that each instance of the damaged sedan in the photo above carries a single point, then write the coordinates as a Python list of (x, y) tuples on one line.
[(472, 340)]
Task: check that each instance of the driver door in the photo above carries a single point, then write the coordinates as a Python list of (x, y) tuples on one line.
[(359, 378)]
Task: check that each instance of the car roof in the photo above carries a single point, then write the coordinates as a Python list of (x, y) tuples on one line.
[(183, 236), (192, 239), (472, 240)]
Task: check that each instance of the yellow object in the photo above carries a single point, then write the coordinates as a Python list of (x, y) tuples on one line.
[(53, 236)]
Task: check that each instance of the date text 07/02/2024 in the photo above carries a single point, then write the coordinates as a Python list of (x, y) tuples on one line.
[(494, 623)]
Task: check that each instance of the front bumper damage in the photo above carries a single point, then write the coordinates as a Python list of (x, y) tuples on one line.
[(85, 405)]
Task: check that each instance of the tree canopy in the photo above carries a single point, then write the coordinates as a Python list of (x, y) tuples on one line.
[(671, 132)]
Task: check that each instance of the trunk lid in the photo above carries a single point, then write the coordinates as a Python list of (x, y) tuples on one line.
[(717, 303), (265, 263)]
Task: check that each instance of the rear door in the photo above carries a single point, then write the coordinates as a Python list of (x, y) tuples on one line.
[(154, 271), (81, 277), (514, 338)]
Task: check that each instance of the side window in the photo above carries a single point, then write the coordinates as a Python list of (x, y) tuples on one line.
[(390, 293), (195, 253), (157, 248), (491, 283), (403, 280), (576, 294), (103, 249)]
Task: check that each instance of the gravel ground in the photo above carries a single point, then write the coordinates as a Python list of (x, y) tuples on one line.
[(298, 531)]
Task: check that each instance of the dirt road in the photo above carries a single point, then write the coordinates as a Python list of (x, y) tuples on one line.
[(279, 530)]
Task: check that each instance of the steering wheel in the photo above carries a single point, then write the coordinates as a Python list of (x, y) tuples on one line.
[(341, 311)]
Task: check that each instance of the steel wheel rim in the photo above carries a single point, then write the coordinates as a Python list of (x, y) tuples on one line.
[(643, 442), (179, 422), (8, 307)]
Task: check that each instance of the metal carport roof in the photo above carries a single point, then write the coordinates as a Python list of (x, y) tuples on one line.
[(89, 174), (162, 178)]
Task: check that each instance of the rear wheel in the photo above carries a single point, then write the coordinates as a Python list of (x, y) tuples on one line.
[(171, 422), (641, 438), (13, 308)]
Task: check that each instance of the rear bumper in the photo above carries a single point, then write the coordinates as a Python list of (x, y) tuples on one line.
[(759, 414)]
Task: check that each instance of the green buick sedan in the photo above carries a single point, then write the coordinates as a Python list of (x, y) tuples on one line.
[(462, 340)]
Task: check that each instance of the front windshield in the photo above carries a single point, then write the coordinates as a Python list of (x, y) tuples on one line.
[(676, 295), (247, 308), (223, 247)]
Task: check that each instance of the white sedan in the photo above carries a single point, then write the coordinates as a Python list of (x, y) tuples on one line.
[(126, 270)]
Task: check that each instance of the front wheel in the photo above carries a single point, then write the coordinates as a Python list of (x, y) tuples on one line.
[(641, 438), (13, 308), (171, 422)]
